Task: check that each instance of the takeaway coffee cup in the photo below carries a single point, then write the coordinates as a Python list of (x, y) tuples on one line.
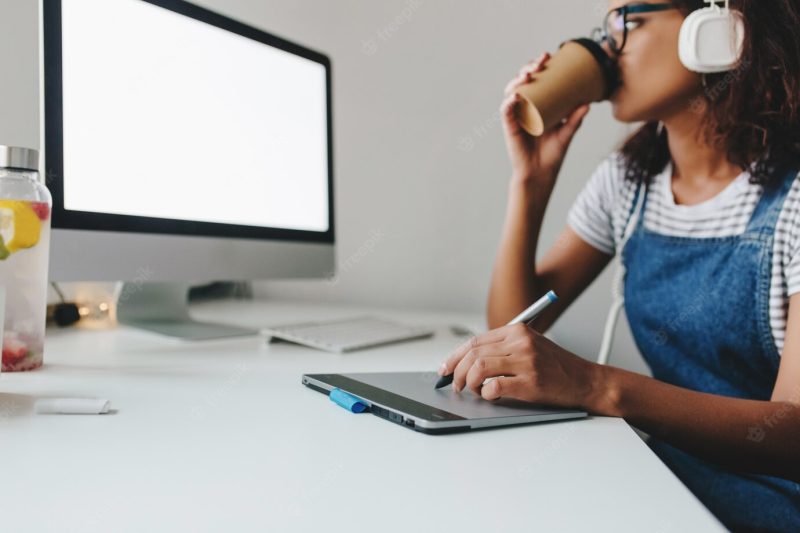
[(579, 73)]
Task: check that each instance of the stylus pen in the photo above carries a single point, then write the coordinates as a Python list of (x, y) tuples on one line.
[(526, 316)]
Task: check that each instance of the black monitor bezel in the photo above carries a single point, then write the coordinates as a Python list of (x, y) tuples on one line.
[(54, 138)]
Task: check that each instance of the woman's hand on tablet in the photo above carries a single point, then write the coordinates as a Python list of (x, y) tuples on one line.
[(525, 365)]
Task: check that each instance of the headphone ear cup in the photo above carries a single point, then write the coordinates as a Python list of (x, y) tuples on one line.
[(711, 40)]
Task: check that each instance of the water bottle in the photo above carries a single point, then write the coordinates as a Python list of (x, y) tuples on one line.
[(24, 252)]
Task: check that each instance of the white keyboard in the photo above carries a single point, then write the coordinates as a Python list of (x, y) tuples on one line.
[(347, 335)]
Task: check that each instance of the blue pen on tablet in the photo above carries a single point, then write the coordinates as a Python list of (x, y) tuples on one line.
[(524, 317)]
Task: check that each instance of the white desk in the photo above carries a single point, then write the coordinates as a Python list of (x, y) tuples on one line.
[(221, 436)]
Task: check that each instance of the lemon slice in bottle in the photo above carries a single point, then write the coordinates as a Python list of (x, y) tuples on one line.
[(20, 227)]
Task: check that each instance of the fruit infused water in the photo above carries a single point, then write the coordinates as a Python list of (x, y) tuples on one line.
[(25, 211), (24, 249)]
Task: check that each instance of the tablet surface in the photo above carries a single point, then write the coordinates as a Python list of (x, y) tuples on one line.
[(408, 398)]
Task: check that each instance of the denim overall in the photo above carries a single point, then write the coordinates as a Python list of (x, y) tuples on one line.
[(698, 309)]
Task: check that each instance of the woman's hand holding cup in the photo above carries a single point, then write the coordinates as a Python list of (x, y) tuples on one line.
[(536, 160)]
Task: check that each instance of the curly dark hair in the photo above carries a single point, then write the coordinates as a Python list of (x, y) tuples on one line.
[(752, 112)]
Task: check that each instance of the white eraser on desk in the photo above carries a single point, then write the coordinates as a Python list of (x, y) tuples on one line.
[(72, 406)]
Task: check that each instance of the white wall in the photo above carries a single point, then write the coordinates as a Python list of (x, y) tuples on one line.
[(19, 72), (421, 170)]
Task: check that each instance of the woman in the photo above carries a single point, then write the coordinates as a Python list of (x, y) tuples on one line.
[(709, 191)]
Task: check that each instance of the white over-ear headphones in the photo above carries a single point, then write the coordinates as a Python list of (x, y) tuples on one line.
[(711, 39)]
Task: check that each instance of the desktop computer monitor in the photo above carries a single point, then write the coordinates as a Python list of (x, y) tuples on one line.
[(182, 146)]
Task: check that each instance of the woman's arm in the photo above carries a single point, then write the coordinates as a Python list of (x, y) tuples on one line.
[(568, 267), (750, 436), (759, 437), (571, 264)]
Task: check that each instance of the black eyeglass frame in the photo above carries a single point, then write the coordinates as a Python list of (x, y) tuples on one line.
[(603, 34)]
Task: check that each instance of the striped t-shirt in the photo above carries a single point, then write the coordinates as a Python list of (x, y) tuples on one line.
[(600, 213)]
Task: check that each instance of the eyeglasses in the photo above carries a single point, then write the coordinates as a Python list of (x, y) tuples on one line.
[(616, 25)]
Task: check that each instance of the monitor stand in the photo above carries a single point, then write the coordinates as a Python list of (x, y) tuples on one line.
[(163, 308)]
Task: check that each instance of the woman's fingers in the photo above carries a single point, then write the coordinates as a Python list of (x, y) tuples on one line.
[(489, 367), (495, 349), (450, 363), (535, 65), (517, 82), (568, 129), (508, 111), (504, 387), (525, 74), (509, 103)]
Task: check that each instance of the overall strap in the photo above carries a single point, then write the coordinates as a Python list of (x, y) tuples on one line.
[(768, 209)]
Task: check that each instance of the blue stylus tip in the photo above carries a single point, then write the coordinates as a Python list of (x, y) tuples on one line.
[(552, 296)]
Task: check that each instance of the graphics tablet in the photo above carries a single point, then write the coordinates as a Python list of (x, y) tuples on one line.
[(409, 399)]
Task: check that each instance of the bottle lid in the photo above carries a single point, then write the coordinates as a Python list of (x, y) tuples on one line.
[(19, 158)]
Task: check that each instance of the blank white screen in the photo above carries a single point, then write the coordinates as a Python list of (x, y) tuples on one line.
[(169, 117)]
